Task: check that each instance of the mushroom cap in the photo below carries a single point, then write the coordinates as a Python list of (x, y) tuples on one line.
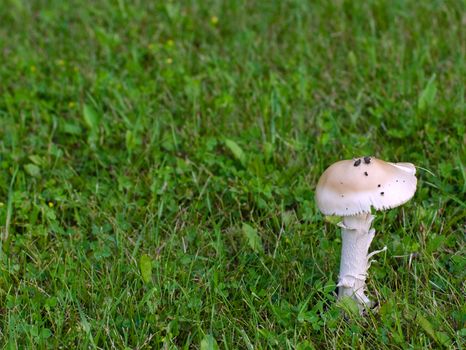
[(351, 187)]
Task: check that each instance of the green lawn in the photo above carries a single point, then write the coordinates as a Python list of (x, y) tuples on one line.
[(158, 161)]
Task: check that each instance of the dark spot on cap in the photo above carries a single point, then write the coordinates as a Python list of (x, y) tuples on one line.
[(396, 180), (367, 160), (346, 208), (365, 173), (404, 181), (342, 195), (379, 185), (382, 193), (341, 183), (357, 162)]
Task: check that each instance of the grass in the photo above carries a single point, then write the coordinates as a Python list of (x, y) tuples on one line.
[(158, 162)]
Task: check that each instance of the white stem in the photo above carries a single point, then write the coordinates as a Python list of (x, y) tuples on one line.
[(357, 236)]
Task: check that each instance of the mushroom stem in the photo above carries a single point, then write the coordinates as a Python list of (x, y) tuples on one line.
[(357, 236)]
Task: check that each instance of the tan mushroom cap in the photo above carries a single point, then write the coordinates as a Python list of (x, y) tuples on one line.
[(345, 189)]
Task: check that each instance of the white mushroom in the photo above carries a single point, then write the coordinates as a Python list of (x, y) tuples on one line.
[(350, 188)]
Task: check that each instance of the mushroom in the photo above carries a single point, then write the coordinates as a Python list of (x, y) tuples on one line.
[(350, 188)]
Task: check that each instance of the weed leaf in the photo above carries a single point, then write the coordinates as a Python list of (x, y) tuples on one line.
[(426, 325), (91, 118), (32, 169), (427, 96), (236, 150), (253, 238), (440, 337), (209, 343), (349, 305), (332, 219), (145, 265)]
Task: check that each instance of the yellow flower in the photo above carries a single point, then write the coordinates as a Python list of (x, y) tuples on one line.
[(169, 60), (50, 204), (61, 62), (2, 204), (71, 104), (214, 20), (33, 69), (170, 42)]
